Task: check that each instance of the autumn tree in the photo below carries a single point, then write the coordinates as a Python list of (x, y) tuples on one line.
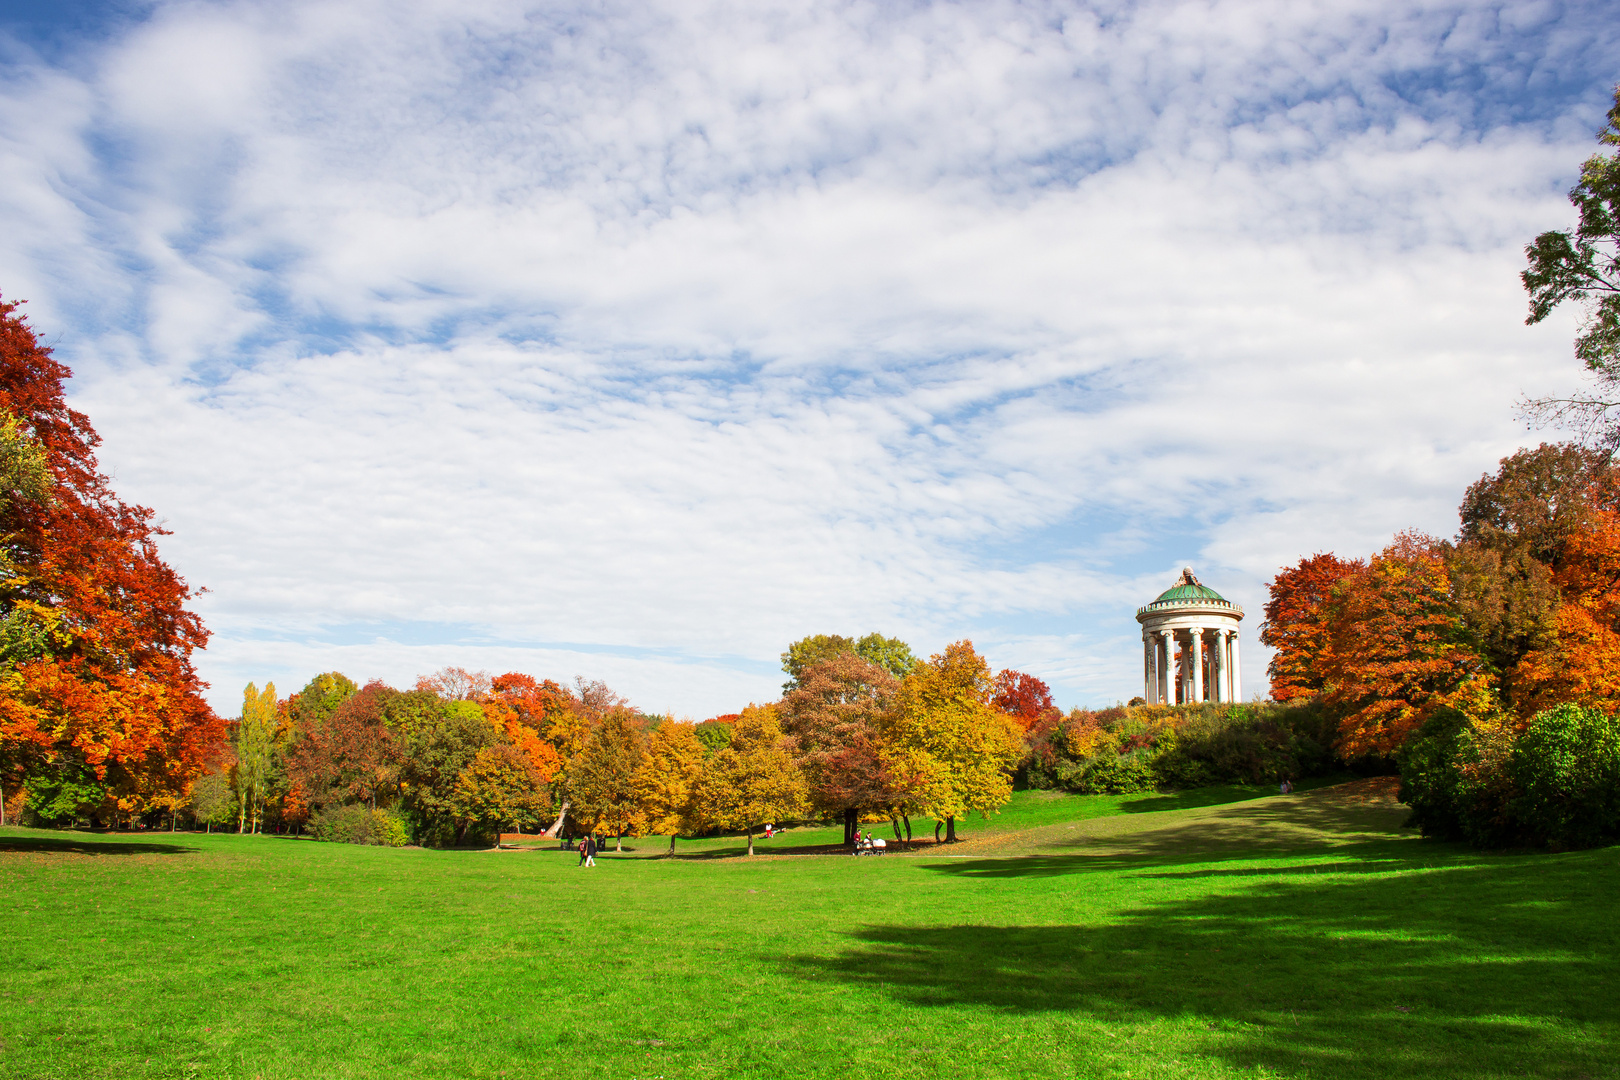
[(522, 709), (455, 684), (1023, 697), (319, 698), (715, 732), (352, 755), (98, 680), (754, 780), (1397, 649), (1295, 623), (255, 735), (890, 654), (1537, 499), (602, 779), (438, 740), (1507, 600), (1583, 266), (213, 801), (943, 733), (1580, 661), (500, 786), (539, 704), (667, 788), (833, 717)]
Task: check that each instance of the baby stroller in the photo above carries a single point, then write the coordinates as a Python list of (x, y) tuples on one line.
[(870, 845)]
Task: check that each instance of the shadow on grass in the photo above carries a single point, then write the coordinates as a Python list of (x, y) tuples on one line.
[(1486, 967), (1193, 798), (1197, 797), (62, 845), (1358, 829)]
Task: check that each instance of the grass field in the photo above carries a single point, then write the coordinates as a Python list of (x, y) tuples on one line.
[(1213, 934)]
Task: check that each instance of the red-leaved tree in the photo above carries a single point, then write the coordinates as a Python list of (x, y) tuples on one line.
[(96, 680), (1025, 698), (1296, 622)]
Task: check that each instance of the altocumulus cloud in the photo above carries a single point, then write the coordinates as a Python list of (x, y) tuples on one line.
[(636, 340)]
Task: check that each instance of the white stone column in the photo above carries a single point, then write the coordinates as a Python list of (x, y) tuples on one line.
[(1167, 669), (1237, 670), (1147, 669), (1195, 660), (1217, 668), (1156, 675), (1226, 651)]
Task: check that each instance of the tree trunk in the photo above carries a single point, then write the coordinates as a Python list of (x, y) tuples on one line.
[(241, 818), (618, 841), (907, 820), (950, 828), (896, 823), (750, 840), (2, 806), (556, 826), (849, 825), (672, 843), (937, 824)]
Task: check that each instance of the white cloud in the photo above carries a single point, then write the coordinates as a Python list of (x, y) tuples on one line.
[(637, 341)]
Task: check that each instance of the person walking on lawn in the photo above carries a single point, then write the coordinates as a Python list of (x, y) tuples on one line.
[(582, 852), (590, 850)]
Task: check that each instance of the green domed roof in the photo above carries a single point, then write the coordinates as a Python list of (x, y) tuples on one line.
[(1188, 596), (1189, 592)]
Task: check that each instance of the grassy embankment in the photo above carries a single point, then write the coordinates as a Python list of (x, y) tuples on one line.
[(1280, 936)]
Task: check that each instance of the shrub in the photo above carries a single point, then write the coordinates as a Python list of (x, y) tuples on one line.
[(1108, 773), (1566, 768), (1556, 785), (355, 824), (1429, 776), (1141, 748)]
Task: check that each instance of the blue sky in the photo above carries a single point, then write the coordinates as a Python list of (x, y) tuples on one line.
[(635, 341)]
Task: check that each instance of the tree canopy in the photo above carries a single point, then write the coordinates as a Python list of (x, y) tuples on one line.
[(97, 687), (890, 654), (1583, 266)]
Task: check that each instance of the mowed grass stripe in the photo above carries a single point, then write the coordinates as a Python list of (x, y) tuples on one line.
[(1297, 936)]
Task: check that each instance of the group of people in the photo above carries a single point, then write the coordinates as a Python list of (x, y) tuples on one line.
[(588, 847)]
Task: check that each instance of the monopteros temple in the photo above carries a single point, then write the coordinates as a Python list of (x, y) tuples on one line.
[(1190, 645)]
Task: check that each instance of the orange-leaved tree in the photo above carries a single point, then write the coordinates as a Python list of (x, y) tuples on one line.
[(1583, 665), (97, 687), (1295, 625), (1396, 649)]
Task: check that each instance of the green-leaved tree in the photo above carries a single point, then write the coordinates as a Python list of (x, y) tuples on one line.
[(890, 654), (1583, 265)]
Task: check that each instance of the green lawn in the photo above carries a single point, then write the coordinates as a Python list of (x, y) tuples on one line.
[(1299, 936)]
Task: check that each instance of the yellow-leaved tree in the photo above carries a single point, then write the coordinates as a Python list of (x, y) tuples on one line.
[(957, 749), (667, 786), (754, 780), (255, 737)]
